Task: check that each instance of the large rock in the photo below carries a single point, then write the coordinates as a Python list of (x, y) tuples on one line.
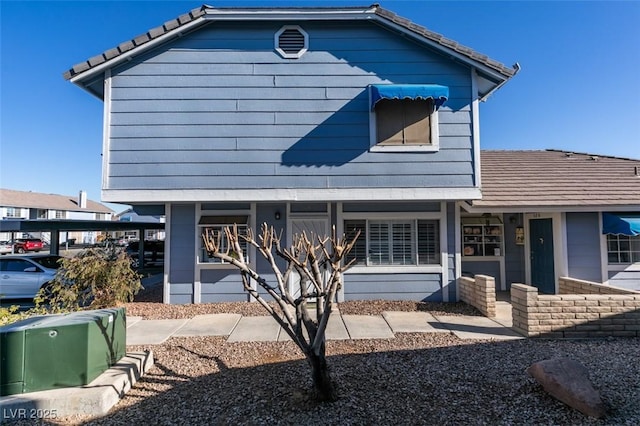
[(568, 381)]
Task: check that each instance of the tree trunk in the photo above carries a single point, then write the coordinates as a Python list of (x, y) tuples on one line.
[(323, 386)]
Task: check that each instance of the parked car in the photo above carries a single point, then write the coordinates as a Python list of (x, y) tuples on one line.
[(153, 252), (23, 245), (6, 247), (21, 277)]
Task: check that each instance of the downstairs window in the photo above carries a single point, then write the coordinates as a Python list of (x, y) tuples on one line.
[(215, 225), (623, 249), (394, 242)]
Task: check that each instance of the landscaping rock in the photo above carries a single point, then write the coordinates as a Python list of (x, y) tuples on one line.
[(568, 381)]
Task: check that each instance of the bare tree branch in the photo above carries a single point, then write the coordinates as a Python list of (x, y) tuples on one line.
[(318, 262)]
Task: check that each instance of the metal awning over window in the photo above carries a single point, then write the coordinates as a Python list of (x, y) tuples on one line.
[(621, 223), (438, 93)]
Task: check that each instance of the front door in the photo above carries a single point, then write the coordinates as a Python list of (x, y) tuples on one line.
[(314, 227), (541, 245)]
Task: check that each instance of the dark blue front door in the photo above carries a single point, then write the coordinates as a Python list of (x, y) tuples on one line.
[(541, 244)]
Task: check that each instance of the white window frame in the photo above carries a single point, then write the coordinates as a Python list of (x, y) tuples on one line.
[(200, 264), (432, 147), (297, 55), (13, 212), (61, 214), (219, 227), (631, 240), (400, 217)]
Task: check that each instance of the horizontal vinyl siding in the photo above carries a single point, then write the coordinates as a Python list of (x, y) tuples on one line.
[(221, 285), (423, 287), (489, 267), (220, 109), (583, 246)]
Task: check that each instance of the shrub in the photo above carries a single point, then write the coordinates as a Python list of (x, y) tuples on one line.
[(11, 314), (95, 278)]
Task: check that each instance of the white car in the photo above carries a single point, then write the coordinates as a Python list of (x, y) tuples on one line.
[(21, 277), (6, 247)]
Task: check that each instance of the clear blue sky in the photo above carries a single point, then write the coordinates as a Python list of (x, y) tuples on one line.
[(579, 88)]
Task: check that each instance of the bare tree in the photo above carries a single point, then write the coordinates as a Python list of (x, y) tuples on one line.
[(318, 261)]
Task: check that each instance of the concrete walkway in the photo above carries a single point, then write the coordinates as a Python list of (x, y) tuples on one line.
[(340, 327)]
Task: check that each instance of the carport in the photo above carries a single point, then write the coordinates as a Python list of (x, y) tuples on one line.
[(60, 225)]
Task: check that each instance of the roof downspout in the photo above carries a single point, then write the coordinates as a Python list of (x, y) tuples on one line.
[(475, 130)]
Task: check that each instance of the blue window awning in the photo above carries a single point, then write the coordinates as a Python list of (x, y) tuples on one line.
[(438, 93), (621, 223)]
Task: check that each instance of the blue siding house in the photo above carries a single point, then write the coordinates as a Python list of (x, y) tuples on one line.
[(550, 214), (303, 118)]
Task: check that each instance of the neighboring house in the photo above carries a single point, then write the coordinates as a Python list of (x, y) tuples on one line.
[(16, 205), (547, 214), (131, 215), (302, 118)]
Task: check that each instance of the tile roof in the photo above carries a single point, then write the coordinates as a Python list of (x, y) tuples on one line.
[(27, 199), (552, 178), (181, 21)]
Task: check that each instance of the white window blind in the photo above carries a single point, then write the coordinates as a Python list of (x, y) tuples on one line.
[(389, 242)]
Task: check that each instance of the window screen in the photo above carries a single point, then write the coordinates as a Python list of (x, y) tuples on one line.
[(400, 122)]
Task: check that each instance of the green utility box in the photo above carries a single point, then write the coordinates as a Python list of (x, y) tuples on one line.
[(57, 351)]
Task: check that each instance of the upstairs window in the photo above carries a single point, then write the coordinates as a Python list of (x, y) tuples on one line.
[(404, 122), (405, 117), (291, 42)]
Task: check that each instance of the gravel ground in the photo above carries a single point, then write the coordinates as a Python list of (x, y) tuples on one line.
[(148, 306), (433, 379), (416, 378)]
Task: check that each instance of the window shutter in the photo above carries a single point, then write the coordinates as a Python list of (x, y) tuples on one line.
[(359, 250), (378, 243), (428, 242), (402, 244)]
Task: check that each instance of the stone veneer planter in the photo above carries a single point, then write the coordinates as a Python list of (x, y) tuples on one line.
[(582, 309)]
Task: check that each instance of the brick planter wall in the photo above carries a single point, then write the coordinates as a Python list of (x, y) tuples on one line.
[(575, 315), (479, 292), (574, 286)]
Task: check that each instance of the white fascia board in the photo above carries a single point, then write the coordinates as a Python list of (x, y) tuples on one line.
[(288, 14), (306, 194), (106, 129), (126, 56)]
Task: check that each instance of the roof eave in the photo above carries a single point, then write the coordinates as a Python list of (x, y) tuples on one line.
[(479, 206), (487, 68), (82, 76)]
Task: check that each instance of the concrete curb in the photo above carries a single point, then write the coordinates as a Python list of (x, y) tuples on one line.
[(94, 399)]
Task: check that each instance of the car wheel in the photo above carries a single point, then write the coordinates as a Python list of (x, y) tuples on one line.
[(20, 250)]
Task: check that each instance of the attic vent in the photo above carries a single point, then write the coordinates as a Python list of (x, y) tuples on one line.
[(291, 41)]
